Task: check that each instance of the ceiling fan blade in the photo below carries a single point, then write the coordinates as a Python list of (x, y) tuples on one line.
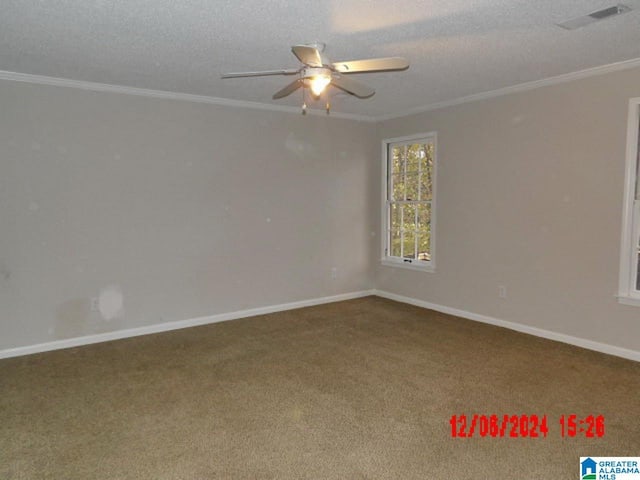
[(260, 74), (288, 90), (308, 55), (372, 65), (353, 86)]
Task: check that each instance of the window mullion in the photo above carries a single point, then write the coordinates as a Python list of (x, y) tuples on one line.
[(633, 281), (402, 231), (404, 170), (389, 172), (415, 231), (390, 201), (420, 175)]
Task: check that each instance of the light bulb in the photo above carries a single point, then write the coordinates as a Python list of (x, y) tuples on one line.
[(319, 83)]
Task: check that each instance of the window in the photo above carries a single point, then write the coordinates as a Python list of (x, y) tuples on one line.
[(629, 290), (409, 202)]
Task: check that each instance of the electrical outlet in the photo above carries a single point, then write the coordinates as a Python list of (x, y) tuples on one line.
[(502, 291), (95, 304), (334, 273)]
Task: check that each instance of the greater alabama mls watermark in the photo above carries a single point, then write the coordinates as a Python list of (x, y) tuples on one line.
[(609, 468)]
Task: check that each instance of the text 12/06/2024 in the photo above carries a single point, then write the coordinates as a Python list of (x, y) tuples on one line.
[(524, 426)]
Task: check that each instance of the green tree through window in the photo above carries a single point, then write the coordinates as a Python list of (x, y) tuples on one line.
[(410, 195)]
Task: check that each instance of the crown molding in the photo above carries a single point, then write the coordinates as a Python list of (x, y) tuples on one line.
[(226, 102), (522, 87), (163, 94)]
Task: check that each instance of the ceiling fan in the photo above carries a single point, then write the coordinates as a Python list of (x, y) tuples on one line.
[(317, 73)]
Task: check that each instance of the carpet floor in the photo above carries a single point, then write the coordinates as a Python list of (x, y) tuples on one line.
[(362, 389)]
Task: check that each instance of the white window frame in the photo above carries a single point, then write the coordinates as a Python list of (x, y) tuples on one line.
[(424, 266), (627, 291)]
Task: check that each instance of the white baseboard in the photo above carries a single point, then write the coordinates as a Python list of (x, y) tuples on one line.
[(538, 332), (164, 327), (221, 317)]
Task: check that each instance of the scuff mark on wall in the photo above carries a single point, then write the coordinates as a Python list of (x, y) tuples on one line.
[(72, 318), (111, 302), (5, 272), (302, 148)]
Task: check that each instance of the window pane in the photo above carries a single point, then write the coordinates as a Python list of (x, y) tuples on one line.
[(424, 232), (398, 164), (396, 160), (424, 216), (398, 188), (426, 167), (426, 160), (413, 158), (426, 185), (409, 243), (409, 218), (429, 149), (395, 217), (411, 186), (394, 241), (424, 245)]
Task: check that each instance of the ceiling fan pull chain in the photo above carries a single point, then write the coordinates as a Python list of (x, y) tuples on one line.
[(304, 103)]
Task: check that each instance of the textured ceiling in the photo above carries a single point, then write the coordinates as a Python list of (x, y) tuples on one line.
[(456, 48)]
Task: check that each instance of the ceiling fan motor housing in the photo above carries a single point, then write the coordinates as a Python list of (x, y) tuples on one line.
[(312, 72)]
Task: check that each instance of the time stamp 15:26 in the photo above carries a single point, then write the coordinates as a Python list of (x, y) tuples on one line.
[(524, 426)]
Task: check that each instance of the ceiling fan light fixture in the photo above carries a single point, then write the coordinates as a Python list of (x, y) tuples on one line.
[(319, 83)]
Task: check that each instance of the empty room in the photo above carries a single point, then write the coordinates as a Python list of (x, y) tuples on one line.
[(319, 240)]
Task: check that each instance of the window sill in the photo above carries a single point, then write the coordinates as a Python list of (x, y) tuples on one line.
[(411, 266), (627, 300)]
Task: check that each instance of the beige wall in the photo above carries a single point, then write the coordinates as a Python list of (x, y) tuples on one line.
[(188, 209), (530, 190), (193, 209)]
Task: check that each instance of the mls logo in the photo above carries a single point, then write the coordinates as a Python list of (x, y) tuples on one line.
[(588, 469), (610, 468)]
